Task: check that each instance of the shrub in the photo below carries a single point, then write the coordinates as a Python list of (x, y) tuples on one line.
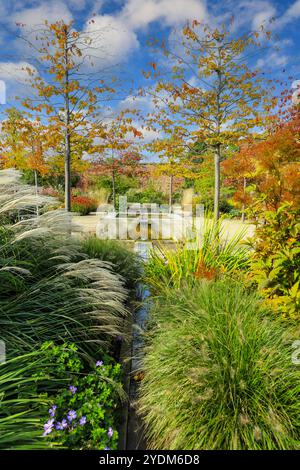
[(56, 180), (123, 184), (49, 191), (147, 195), (207, 199), (83, 204), (218, 373), (276, 260)]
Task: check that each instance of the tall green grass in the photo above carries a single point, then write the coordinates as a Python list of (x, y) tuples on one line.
[(26, 383), (211, 255), (218, 373)]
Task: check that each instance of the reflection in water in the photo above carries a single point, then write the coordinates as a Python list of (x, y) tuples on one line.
[(141, 315), (135, 438)]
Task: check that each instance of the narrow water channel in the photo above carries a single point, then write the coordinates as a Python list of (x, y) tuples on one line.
[(135, 435)]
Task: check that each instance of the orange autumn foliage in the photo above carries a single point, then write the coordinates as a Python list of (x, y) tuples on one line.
[(270, 167)]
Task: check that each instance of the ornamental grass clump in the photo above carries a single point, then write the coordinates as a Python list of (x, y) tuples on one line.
[(212, 255), (219, 373), (123, 259), (49, 288)]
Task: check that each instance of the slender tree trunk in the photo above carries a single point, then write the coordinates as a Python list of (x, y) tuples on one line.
[(171, 192), (218, 145), (243, 206), (67, 134), (67, 172), (114, 189), (217, 183), (36, 191)]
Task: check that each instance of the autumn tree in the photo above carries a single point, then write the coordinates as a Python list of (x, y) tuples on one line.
[(174, 161), (209, 90), (70, 95), (118, 149), (13, 150), (23, 143), (270, 167), (240, 172)]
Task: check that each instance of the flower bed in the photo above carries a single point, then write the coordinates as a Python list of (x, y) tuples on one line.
[(83, 204)]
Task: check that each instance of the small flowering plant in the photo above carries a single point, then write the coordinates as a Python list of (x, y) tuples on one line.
[(84, 413)]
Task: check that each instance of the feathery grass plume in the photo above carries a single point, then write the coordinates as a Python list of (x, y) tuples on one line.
[(19, 200), (124, 261), (49, 288), (218, 373)]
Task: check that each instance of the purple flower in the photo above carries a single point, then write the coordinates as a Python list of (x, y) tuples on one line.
[(48, 427), (106, 448), (110, 432), (71, 415), (61, 425), (82, 420), (73, 389), (52, 411), (64, 424), (99, 363)]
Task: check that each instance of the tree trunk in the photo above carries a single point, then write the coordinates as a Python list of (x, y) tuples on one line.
[(217, 183), (114, 189), (171, 192), (67, 133), (243, 206), (218, 146), (67, 172), (36, 191)]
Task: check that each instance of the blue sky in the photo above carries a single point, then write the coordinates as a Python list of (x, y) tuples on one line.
[(130, 23)]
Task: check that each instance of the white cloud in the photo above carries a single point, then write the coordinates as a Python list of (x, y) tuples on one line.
[(118, 38), (290, 15), (16, 71), (251, 13), (16, 79), (51, 11), (138, 14), (112, 40), (148, 134), (264, 16), (273, 60), (137, 102)]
